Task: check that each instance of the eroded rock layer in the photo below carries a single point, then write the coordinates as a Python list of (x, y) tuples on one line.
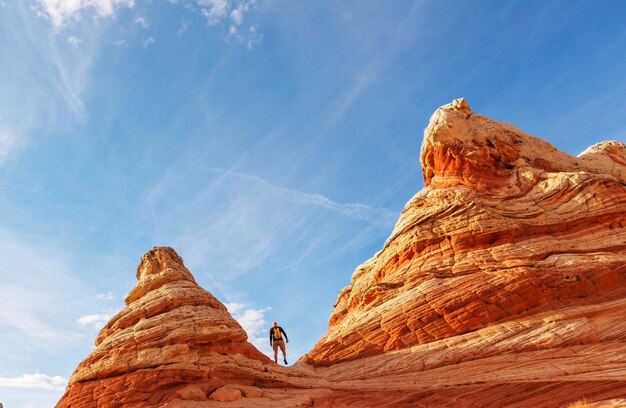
[(173, 340), (506, 227)]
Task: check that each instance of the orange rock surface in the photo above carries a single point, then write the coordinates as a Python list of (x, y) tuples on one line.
[(506, 227), (502, 284), (173, 340)]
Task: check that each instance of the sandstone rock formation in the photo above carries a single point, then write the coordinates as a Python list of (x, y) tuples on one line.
[(502, 284), (506, 228), (173, 340)]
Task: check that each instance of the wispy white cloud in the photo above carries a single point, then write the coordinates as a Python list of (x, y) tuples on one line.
[(236, 15), (217, 12), (36, 380), (143, 21), (251, 38), (254, 37), (119, 43), (105, 296), (148, 42), (250, 35), (8, 143), (74, 41), (253, 223), (37, 291), (231, 13), (47, 78), (95, 320), (214, 10), (61, 11), (183, 28), (353, 210)]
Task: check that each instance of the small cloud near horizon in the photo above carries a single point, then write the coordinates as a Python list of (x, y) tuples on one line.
[(36, 380), (105, 296), (95, 320)]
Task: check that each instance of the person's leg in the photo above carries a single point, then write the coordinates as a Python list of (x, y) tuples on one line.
[(283, 349), (275, 346)]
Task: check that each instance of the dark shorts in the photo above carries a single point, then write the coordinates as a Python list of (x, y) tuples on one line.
[(277, 344)]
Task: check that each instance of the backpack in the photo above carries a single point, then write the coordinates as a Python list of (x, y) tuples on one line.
[(277, 335)]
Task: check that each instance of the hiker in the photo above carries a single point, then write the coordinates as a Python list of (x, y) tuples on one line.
[(276, 341)]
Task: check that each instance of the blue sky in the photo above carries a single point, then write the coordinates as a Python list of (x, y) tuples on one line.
[(271, 143)]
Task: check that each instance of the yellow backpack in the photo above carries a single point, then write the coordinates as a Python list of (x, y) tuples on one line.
[(277, 335)]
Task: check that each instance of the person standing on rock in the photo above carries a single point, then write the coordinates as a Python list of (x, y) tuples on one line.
[(276, 341)]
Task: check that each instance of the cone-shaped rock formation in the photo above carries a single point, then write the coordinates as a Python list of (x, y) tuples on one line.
[(172, 340)]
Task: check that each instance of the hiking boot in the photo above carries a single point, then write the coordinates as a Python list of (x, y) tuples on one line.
[(285, 360)]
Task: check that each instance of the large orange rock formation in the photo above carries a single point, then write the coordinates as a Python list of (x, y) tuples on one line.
[(502, 284), (507, 227)]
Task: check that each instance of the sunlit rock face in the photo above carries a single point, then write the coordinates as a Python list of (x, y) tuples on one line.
[(173, 340), (507, 227)]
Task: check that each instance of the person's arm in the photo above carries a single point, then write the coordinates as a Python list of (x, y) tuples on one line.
[(271, 337), (285, 334)]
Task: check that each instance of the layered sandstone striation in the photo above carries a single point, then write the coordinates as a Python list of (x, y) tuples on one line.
[(507, 227), (503, 283), (172, 341)]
